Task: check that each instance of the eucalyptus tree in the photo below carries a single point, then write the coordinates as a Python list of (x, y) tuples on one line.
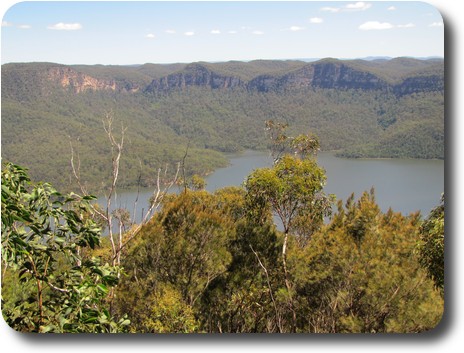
[(292, 190), (44, 236)]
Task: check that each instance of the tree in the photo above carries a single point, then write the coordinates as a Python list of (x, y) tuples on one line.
[(432, 244), (43, 235), (181, 251), (293, 191), (243, 298), (360, 273), (163, 184), (281, 144)]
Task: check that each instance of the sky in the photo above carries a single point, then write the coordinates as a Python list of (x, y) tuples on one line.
[(127, 33)]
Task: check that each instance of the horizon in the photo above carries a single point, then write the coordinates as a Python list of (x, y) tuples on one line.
[(129, 33), (308, 60)]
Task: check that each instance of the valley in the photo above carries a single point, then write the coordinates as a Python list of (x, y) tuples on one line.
[(358, 108)]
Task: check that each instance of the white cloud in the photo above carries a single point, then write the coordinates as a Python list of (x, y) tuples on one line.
[(357, 6), (391, 8), (215, 31), (150, 36), (258, 32), (436, 24), (331, 9), (408, 25), (170, 31), (232, 32), (296, 28), (189, 34), (10, 24), (316, 20), (65, 26), (375, 25)]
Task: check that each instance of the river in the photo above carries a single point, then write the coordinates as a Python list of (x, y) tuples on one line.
[(405, 185)]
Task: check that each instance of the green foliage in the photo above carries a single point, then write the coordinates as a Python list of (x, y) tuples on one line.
[(360, 274), (242, 299), (185, 247), (169, 313), (432, 244), (292, 188), (43, 235)]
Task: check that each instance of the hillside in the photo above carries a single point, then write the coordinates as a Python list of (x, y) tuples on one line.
[(385, 108)]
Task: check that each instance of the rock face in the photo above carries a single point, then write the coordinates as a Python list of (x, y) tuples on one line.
[(419, 84), (331, 75), (194, 75), (77, 81), (320, 75), (324, 74)]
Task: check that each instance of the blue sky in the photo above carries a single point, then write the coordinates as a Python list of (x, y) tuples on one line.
[(123, 33)]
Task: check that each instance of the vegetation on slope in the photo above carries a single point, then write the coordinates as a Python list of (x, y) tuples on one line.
[(209, 108)]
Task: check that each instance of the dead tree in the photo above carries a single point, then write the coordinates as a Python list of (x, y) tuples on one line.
[(163, 184)]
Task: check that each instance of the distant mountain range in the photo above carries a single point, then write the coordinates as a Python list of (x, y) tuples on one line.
[(375, 58), (260, 75), (379, 107)]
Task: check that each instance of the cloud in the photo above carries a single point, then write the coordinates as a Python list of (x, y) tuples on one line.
[(232, 32), (296, 28), (170, 31), (357, 6), (150, 36), (65, 26), (391, 8), (316, 20), (215, 31), (331, 9), (408, 25), (375, 25), (6, 24), (189, 33), (258, 33), (24, 26), (436, 24)]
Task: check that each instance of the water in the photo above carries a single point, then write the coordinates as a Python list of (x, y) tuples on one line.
[(405, 185), (239, 168)]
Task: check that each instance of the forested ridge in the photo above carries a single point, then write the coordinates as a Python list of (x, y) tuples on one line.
[(358, 108), (217, 262)]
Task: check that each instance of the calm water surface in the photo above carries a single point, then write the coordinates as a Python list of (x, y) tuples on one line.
[(405, 185)]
